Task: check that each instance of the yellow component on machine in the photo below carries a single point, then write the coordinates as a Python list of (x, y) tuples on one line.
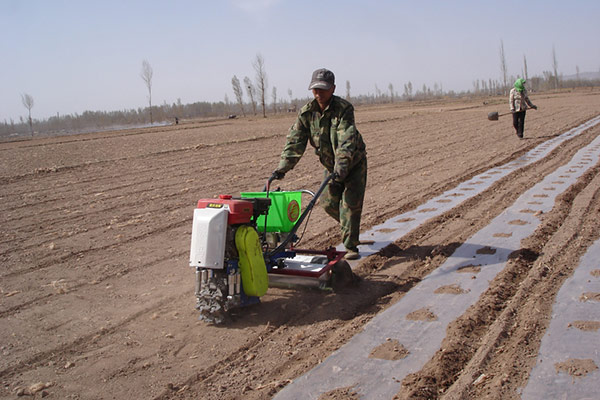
[(251, 263)]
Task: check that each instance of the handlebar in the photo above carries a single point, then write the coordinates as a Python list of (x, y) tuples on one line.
[(311, 204)]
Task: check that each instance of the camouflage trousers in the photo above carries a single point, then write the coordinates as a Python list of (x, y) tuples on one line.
[(345, 203)]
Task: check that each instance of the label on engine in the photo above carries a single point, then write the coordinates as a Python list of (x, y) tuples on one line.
[(293, 210), (214, 205)]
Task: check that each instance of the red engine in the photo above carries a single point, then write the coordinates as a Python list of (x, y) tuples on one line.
[(240, 211)]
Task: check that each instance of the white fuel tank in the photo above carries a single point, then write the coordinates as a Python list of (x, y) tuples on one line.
[(209, 232)]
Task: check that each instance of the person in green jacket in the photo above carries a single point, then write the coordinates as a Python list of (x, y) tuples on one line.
[(327, 122)]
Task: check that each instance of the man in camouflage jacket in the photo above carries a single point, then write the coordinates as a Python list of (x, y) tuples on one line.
[(327, 122)]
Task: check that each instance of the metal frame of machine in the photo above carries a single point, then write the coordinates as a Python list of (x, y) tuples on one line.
[(233, 272)]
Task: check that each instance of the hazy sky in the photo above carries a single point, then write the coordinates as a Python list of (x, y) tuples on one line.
[(78, 55)]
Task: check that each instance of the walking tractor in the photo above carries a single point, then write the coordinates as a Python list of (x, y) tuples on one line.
[(239, 245)]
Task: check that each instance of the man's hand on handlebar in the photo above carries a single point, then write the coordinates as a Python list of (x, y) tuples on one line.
[(277, 174)]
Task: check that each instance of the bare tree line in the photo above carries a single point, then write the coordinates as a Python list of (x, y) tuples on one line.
[(106, 120), (256, 92), (550, 80), (101, 120)]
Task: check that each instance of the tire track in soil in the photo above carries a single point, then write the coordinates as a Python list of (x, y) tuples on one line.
[(423, 258), (146, 171), (518, 332), (214, 147), (79, 286), (74, 346), (127, 211), (147, 176), (52, 262), (329, 331), (88, 343), (213, 379), (436, 190), (499, 307), (77, 343), (99, 224), (426, 386), (499, 319)]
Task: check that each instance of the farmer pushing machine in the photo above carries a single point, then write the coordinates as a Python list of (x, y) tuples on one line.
[(239, 243)]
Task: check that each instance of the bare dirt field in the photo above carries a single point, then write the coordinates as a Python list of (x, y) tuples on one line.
[(97, 298)]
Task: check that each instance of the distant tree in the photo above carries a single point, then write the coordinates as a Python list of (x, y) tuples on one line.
[(251, 90), (408, 90), (555, 68), (391, 88), (239, 94), (525, 75), (261, 80), (348, 90), (146, 75), (577, 75), (377, 92), (549, 78), (289, 92), (274, 95), (27, 100), (227, 103), (503, 67)]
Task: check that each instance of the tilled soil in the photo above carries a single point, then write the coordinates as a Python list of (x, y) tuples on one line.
[(97, 297)]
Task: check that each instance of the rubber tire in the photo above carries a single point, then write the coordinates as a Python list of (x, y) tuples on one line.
[(342, 276)]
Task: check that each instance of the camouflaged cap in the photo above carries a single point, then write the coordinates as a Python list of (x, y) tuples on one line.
[(322, 79), (332, 133)]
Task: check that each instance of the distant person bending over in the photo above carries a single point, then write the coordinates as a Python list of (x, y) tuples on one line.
[(518, 104), (327, 122)]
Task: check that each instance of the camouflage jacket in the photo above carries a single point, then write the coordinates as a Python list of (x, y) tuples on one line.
[(519, 101), (337, 142)]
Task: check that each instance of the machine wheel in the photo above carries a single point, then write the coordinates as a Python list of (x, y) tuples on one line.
[(342, 275), (212, 299)]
